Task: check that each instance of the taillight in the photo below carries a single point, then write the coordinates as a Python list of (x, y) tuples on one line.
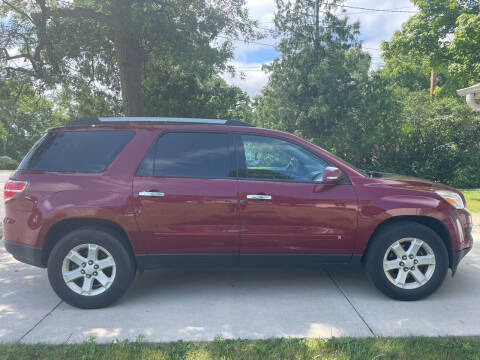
[(13, 187)]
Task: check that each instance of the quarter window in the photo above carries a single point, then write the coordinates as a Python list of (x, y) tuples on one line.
[(76, 151), (276, 159), (185, 154)]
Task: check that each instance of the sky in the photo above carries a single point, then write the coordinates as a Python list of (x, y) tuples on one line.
[(375, 26)]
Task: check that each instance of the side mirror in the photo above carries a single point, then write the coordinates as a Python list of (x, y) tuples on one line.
[(331, 175)]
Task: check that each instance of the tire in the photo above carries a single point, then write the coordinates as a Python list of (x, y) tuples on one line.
[(110, 270), (402, 236)]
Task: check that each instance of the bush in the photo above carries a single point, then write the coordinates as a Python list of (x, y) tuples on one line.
[(7, 163), (438, 141)]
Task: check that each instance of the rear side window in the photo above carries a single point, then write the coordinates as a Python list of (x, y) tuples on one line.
[(185, 154), (76, 151)]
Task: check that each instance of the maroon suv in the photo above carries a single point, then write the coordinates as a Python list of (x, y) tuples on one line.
[(102, 197)]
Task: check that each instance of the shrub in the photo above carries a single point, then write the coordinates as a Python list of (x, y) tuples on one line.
[(438, 141), (7, 163)]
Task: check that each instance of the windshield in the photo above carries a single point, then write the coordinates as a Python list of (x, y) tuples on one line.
[(363, 172)]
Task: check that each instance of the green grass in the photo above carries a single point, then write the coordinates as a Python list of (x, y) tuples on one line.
[(473, 199), (342, 348)]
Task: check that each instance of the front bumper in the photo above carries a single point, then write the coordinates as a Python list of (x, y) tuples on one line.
[(457, 257), (31, 255)]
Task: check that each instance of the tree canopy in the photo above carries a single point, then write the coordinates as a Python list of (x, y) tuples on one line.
[(113, 47), (322, 88), (440, 40), (61, 60)]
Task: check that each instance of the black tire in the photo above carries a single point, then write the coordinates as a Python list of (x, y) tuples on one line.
[(389, 235), (110, 241)]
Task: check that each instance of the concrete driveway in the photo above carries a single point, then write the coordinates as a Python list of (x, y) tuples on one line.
[(168, 305)]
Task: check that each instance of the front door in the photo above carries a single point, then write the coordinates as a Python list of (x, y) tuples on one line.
[(185, 199), (283, 211)]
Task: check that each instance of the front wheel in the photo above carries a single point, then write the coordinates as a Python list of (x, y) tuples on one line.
[(407, 261), (90, 268)]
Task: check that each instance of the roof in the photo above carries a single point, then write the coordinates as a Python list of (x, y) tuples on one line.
[(150, 120)]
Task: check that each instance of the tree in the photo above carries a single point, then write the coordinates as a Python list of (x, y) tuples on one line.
[(438, 141), (24, 117), (315, 87), (192, 91), (111, 43), (321, 89), (465, 64), (425, 42)]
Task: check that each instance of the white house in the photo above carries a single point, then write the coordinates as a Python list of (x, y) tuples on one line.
[(471, 93)]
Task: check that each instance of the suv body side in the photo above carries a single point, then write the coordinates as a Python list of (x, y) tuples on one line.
[(52, 198)]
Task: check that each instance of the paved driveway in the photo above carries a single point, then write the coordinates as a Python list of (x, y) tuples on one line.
[(167, 305)]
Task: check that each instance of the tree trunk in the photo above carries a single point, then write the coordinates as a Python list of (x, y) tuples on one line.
[(317, 24), (433, 84), (130, 59)]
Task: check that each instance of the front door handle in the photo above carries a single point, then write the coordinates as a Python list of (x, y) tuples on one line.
[(151, 193), (259, 197)]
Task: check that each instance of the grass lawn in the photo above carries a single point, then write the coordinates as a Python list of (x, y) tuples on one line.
[(342, 348), (473, 199)]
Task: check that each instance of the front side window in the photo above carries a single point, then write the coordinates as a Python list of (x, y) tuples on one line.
[(276, 159), (76, 151), (186, 154)]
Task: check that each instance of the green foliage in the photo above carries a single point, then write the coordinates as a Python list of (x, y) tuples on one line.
[(24, 117), (321, 89), (198, 94), (464, 49), (421, 348), (472, 196), (7, 163), (443, 36), (316, 82), (98, 51), (69, 66), (437, 141), (321, 86)]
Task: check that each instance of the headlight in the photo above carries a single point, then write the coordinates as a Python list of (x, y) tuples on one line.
[(452, 197)]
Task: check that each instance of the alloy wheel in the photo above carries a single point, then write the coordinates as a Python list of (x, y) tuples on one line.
[(409, 263), (88, 269)]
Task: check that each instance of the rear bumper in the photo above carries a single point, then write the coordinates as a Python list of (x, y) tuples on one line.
[(28, 254)]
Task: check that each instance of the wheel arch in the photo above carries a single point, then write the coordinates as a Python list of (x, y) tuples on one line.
[(65, 226), (434, 224)]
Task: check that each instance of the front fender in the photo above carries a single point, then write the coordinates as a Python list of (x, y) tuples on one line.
[(372, 214)]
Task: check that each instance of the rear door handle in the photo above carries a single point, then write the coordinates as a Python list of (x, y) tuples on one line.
[(151, 193), (259, 197)]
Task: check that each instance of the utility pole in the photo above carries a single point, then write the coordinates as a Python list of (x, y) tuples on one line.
[(317, 23), (433, 84)]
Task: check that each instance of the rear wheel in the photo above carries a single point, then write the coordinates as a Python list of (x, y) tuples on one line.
[(90, 267), (407, 261)]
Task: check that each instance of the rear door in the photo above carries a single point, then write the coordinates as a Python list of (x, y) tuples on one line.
[(283, 211), (186, 200)]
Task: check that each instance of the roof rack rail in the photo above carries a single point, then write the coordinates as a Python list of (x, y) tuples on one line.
[(118, 120)]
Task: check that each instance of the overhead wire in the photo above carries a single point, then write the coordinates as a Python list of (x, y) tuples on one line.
[(376, 60)]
